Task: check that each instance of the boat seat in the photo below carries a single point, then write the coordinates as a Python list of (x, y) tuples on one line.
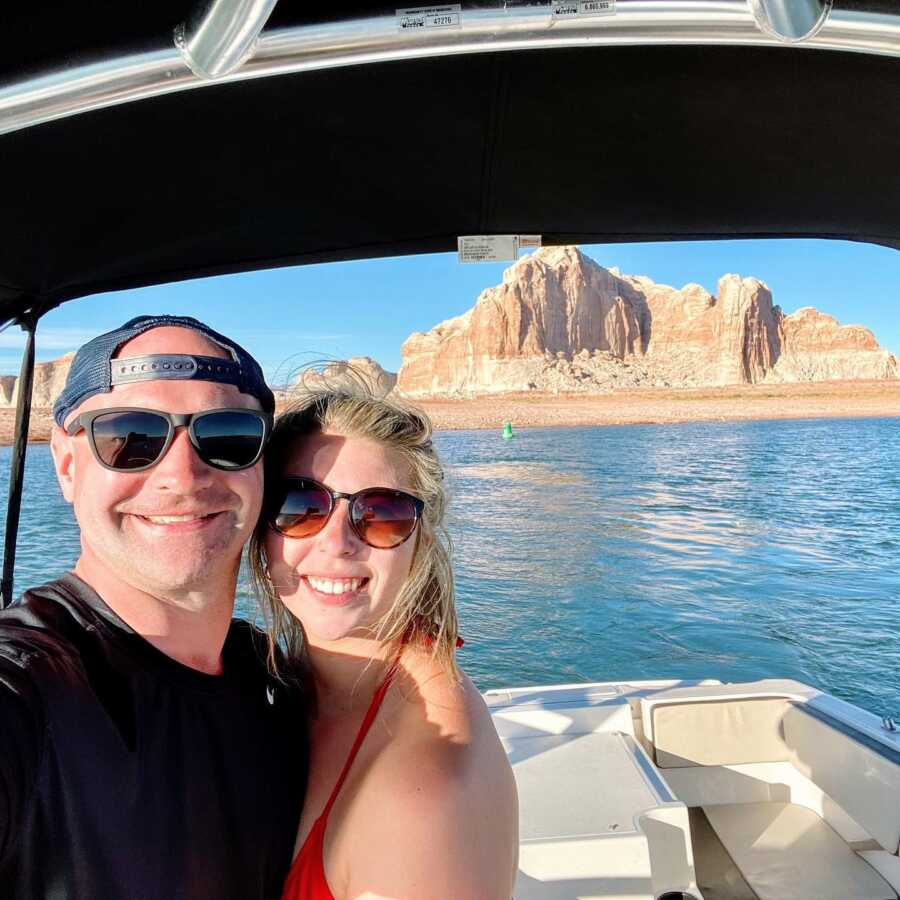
[(854, 771), (596, 820), (787, 852)]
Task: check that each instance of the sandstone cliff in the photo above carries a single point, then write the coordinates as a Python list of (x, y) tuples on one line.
[(559, 321), (358, 370), (7, 386), (817, 348), (49, 380)]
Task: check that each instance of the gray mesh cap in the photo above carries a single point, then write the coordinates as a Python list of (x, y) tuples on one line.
[(95, 371)]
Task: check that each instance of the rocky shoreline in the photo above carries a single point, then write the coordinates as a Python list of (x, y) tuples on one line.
[(839, 399)]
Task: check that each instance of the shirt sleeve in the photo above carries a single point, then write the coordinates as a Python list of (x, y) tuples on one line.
[(21, 742)]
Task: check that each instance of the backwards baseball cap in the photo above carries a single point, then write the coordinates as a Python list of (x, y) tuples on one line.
[(95, 371)]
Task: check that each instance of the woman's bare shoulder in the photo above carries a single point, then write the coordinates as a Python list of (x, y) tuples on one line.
[(436, 699), (446, 788)]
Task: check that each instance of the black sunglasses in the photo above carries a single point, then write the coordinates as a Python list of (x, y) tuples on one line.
[(130, 439), (380, 517)]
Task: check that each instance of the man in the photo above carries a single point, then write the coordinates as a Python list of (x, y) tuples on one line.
[(145, 754)]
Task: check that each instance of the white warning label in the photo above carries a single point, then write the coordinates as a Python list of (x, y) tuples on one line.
[(415, 18), (573, 9), (475, 248)]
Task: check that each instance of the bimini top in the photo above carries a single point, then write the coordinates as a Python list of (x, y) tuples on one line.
[(132, 154)]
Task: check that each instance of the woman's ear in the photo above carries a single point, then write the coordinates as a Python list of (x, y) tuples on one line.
[(63, 461)]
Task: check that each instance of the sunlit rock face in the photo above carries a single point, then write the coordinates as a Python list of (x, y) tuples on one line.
[(816, 347), (561, 322), (7, 386), (49, 380), (698, 339), (359, 371), (555, 302)]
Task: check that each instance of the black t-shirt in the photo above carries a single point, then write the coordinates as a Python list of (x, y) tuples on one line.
[(125, 775)]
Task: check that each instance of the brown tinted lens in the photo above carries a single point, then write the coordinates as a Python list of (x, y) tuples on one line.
[(303, 511), (129, 440), (383, 519)]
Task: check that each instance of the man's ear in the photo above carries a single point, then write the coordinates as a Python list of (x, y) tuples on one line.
[(61, 446)]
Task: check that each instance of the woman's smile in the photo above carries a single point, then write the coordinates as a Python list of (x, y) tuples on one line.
[(335, 591)]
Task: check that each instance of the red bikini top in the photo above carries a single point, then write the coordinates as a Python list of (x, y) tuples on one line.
[(306, 879)]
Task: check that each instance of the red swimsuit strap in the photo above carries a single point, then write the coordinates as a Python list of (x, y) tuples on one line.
[(374, 706)]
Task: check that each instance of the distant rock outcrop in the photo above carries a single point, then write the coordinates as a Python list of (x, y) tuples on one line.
[(7, 386), (359, 370), (816, 347), (49, 380), (559, 321)]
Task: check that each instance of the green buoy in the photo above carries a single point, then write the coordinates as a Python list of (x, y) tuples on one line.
[(508, 432)]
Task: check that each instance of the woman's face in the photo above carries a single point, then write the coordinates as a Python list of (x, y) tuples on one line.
[(315, 577)]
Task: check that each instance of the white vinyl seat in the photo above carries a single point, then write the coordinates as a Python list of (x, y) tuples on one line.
[(787, 852), (815, 847)]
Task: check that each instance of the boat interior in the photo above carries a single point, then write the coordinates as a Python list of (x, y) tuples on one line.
[(768, 790)]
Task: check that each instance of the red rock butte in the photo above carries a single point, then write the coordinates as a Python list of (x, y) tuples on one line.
[(561, 322)]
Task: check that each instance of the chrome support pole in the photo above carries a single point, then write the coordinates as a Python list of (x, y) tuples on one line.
[(17, 463), (221, 34), (790, 21), (493, 26)]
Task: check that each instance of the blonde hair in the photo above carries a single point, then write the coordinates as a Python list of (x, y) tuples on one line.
[(424, 611)]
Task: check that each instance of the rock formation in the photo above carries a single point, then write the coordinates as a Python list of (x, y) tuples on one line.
[(817, 348), (359, 370), (7, 386), (556, 301), (49, 380), (559, 321)]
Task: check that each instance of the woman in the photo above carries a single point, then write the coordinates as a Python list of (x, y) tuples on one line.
[(410, 793)]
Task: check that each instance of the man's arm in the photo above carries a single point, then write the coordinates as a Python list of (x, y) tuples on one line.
[(21, 743)]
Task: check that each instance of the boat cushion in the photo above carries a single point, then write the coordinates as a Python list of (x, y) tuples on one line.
[(746, 731), (787, 852), (855, 776)]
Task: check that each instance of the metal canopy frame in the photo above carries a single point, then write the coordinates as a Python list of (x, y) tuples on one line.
[(221, 43), (486, 28)]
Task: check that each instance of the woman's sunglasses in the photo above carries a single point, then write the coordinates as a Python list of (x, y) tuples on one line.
[(130, 439), (380, 517)]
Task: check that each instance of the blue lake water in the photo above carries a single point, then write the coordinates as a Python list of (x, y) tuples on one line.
[(726, 550)]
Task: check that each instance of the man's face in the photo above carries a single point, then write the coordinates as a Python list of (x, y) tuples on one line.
[(179, 526)]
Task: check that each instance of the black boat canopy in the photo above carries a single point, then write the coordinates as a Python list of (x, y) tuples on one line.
[(351, 138), (154, 142)]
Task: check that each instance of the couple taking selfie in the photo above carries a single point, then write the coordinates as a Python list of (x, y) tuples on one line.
[(154, 748)]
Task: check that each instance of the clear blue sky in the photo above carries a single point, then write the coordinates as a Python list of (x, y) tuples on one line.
[(286, 317)]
